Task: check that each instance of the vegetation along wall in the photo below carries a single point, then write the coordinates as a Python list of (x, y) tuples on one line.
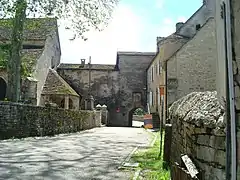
[(20, 121)]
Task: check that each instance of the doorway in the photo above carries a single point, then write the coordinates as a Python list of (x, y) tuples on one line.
[(3, 89)]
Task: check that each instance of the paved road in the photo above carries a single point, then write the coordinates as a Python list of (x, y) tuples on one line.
[(137, 123), (91, 155)]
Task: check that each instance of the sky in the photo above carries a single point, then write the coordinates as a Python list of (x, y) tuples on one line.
[(134, 26)]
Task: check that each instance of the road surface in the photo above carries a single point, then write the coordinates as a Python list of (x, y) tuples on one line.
[(91, 155)]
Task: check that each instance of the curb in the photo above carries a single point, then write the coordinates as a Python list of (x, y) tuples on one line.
[(137, 172)]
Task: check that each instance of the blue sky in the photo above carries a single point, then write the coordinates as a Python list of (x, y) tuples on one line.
[(134, 27)]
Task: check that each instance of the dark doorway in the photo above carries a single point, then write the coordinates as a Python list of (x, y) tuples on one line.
[(135, 117), (3, 89)]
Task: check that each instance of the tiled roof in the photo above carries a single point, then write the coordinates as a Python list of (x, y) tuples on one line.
[(34, 29), (55, 84), (86, 66), (30, 57)]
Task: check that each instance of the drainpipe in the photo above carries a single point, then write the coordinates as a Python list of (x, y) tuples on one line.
[(230, 92), (166, 90)]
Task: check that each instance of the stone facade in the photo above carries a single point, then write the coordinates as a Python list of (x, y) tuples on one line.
[(167, 48), (155, 72), (198, 130), (121, 87), (41, 48), (20, 121), (193, 67), (132, 82), (103, 81)]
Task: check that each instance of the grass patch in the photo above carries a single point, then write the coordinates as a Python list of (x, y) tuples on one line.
[(150, 163)]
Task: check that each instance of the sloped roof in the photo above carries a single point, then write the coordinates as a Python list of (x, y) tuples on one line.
[(173, 36), (34, 28), (208, 21), (30, 57), (86, 66), (55, 84)]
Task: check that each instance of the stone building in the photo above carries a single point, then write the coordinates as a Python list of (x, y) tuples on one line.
[(175, 53), (100, 80), (132, 83), (193, 67), (155, 72), (121, 86), (41, 51), (57, 91)]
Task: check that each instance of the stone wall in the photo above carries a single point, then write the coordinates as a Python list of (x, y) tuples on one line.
[(193, 67), (19, 121), (104, 83), (198, 130)]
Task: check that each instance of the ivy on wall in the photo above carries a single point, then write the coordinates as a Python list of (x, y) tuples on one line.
[(5, 55)]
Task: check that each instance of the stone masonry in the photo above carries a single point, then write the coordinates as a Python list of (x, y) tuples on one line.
[(193, 67), (20, 121), (121, 87), (198, 130)]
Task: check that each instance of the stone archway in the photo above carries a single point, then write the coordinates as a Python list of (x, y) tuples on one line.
[(131, 114), (3, 89)]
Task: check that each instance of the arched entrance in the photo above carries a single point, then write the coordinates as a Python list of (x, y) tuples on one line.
[(3, 89), (135, 117)]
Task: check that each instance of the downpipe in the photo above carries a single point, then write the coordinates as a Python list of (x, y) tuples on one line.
[(231, 116)]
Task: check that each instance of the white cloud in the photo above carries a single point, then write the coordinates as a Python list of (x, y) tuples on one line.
[(181, 19), (159, 3), (168, 21), (123, 33)]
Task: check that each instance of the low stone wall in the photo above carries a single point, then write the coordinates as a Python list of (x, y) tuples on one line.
[(19, 121), (198, 130)]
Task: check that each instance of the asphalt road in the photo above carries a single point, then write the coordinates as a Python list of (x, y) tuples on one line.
[(91, 155)]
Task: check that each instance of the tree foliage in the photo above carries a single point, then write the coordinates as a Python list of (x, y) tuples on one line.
[(81, 15), (139, 111)]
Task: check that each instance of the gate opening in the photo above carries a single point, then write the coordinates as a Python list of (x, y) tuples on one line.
[(136, 117)]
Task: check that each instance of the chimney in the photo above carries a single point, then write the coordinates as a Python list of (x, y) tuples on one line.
[(179, 25), (82, 62), (158, 40)]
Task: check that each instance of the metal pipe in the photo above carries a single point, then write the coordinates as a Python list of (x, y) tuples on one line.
[(230, 88)]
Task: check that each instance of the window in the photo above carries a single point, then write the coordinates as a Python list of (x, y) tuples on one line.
[(160, 67), (157, 68), (150, 98), (152, 73), (137, 97)]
